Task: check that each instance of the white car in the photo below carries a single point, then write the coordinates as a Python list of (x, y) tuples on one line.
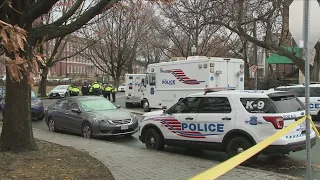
[(228, 121), (299, 90), (59, 91), (122, 87)]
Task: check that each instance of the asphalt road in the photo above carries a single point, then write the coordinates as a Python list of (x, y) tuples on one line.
[(293, 164)]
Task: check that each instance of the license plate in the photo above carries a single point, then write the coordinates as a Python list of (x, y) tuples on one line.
[(124, 127), (53, 94)]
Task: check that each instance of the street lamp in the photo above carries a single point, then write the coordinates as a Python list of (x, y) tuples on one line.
[(193, 50)]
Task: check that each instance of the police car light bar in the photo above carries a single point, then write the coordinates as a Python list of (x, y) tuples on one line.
[(209, 90)]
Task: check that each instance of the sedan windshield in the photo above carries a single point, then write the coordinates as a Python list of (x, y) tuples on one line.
[(61, 87), (96, 105)]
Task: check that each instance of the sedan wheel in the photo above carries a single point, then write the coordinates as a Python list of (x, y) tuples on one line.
[(52, 125), (86, 131)]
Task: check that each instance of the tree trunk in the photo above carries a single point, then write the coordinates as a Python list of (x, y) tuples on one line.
[(43, 82), (17, 132)]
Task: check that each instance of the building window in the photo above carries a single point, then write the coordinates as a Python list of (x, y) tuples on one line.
[(68, 69)]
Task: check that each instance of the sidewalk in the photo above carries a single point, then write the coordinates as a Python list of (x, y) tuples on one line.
[(127, 163)]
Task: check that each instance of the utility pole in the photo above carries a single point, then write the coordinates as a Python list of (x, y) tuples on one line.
[(255, 56)]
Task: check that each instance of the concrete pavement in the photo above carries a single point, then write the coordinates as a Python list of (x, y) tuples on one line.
[(133, 163)]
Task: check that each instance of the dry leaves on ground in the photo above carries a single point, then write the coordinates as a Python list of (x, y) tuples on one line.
[(52, 162)]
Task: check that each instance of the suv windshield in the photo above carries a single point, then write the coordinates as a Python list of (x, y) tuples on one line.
[(96, 105)]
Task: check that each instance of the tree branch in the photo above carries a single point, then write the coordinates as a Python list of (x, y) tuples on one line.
[(36, 9), (64, 18), (51, 31)]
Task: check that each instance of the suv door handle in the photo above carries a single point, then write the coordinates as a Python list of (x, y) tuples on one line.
[(189, 118), (226, 118), (66, 113)]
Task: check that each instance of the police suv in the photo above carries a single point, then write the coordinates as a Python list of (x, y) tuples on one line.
[(299, 90), (229, 121)]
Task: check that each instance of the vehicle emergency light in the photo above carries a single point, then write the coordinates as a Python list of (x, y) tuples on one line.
[(277, 121), (209, 90)]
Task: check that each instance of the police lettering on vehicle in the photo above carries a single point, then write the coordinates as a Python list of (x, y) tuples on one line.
[(289, 116), (169, 82), (202, 127), (251, 105)]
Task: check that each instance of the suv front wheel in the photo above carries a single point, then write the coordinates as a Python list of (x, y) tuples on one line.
[(153, 140)]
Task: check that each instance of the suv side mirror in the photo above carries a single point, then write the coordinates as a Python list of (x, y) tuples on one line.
[(76, 111), (118, 106)]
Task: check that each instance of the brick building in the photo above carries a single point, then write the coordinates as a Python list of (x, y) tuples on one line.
[(75, 66)]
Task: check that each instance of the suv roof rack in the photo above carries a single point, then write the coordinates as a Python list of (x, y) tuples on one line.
[(210, 90)]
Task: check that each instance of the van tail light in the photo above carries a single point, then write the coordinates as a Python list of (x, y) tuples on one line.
[(130, 87), (277, 121)]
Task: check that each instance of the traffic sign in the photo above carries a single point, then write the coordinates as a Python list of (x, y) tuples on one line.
[(296, 19)]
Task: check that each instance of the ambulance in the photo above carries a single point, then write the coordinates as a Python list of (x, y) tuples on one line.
[(133, 89), (168, 82)]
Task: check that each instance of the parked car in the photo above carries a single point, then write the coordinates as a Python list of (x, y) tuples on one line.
[(90, 116), (37, 109), (122, 87), (59, 91)]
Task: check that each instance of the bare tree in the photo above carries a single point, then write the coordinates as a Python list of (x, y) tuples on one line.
[(183, 27), (238, 16), (123, 29), (17, 129)]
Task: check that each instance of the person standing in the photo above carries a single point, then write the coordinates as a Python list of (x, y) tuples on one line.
[(96, 88), (85, 89), (108, 91), (114, 91)]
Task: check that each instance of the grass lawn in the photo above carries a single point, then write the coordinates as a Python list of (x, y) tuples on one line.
[(52, 161)]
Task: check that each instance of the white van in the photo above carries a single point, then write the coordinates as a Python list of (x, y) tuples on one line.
[(168, 82), (299, 90), (133, 89)]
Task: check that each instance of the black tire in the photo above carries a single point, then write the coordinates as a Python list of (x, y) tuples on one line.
[(146, 107), (86, 131), (154, 140), (128, 105), (40, 118), (52, 125), (237, 145)]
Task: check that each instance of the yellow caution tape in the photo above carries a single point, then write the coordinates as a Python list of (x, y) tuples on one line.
[(315, 128), (231, 163)]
